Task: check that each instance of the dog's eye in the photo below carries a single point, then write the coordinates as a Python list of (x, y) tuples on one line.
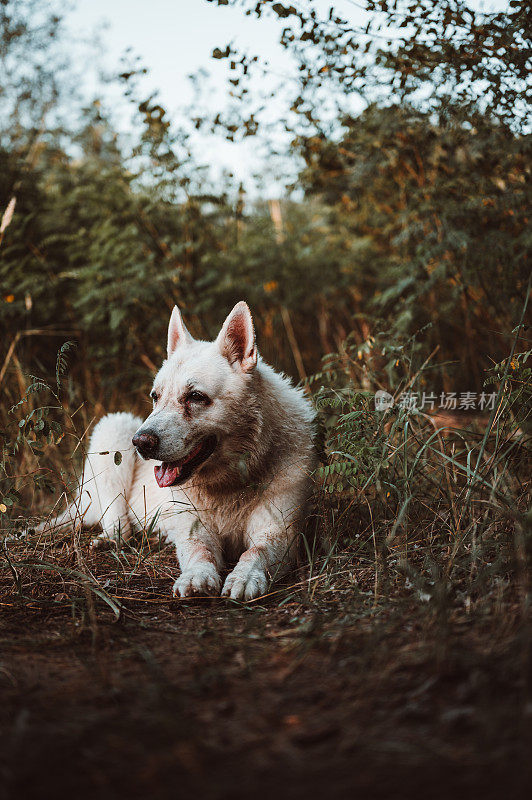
[(197, 397), (154, 396)]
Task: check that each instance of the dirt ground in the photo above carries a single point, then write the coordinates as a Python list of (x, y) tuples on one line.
[(209, 699)]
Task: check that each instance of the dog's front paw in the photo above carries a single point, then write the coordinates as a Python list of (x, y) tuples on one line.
[(201, 580), (245, 584)]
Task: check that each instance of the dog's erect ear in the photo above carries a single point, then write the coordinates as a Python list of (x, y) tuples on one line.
[(177, 332), (236, 340)]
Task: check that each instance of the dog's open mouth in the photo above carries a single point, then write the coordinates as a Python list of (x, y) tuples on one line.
[(172, 473)]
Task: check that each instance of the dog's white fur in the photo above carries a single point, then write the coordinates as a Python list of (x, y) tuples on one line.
[(246, 500)]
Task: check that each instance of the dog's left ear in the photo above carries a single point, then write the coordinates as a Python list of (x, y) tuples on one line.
[(177, 332), (236, 340)]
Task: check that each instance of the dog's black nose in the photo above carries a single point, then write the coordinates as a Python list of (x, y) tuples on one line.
[(146, 443)]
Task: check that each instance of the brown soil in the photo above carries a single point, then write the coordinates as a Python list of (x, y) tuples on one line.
[(207, 699)]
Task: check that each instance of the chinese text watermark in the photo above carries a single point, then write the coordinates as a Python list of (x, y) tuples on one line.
[(429, 401)]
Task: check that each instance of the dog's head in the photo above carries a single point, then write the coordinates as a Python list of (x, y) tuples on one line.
[(201, 403)]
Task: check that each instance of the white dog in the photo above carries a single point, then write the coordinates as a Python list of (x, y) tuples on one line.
[(234, 442)]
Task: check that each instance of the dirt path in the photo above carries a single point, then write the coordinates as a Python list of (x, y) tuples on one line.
[(211, 701)]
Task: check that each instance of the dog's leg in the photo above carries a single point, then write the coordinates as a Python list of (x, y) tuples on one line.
[(108, 482), (199, 554), (271, 542)]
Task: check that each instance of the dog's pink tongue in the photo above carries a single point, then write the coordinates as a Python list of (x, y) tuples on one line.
[(166, 474)]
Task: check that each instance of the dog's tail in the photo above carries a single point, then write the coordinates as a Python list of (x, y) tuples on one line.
[(76, 514)]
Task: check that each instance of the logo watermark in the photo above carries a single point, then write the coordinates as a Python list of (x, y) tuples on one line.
[(383, 400), (429, 401)]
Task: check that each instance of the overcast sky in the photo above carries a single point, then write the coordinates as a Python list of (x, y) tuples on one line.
[(175, 38)]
